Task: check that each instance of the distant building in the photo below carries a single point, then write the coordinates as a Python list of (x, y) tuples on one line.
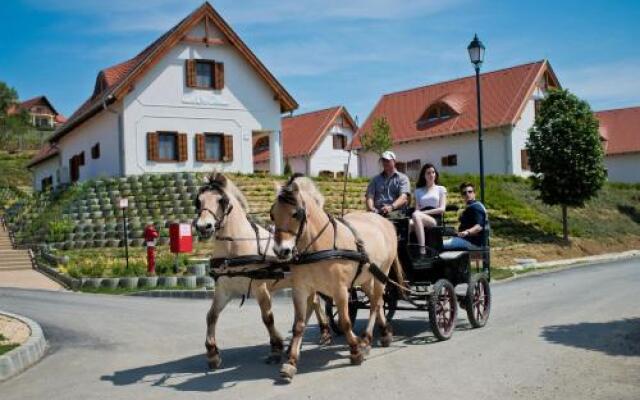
[(42, 113), (438, 123), (621, 130), (314, 143), (191, 101)]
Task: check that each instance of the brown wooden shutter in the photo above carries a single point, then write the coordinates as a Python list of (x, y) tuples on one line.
[(200, 148), (81, 158), (218, 76), (183, 154), (444, 161), (227, 147), (190, 69), (153, 152), (524, 159)]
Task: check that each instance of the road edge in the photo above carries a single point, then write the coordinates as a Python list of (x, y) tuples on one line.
[(25, 355), (549, 267)]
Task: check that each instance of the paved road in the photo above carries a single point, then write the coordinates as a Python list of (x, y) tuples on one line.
[(572, 335)]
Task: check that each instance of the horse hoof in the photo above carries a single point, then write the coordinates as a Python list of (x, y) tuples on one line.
[(215, 362), (287, 372), (325, 340), (386, 340), (274, 358), (357, 359), (365, 348)]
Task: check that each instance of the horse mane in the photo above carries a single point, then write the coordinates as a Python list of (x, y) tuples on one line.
[(233, 190), (305, 185)]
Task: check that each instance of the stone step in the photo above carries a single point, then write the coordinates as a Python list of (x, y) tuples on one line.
[(15, 267), (13, 252)]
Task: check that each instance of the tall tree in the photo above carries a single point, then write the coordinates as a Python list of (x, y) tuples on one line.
[(8, 97), (565, 153), (378, 139)]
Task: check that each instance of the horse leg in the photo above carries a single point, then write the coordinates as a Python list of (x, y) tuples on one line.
[(300, 300), (263, 297), (341, 299), (386, 332), (220, 300), (367, 334), (314, 305)]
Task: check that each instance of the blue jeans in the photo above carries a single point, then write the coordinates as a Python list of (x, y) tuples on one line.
[(458, 243)]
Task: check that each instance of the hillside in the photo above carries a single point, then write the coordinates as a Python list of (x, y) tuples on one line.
[(13, 171)]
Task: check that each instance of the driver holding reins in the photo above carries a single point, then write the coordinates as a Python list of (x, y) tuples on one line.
[(389, 191)]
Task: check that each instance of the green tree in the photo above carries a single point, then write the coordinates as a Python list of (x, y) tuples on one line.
[(8, 97), (378, 139), (565, 153)]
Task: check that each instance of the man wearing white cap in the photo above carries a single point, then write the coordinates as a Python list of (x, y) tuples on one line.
[(389, 191)]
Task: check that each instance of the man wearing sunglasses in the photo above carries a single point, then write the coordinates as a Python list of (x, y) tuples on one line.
[(472, 222)]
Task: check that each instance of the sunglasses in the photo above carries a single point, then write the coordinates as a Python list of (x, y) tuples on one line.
[(467, 191)]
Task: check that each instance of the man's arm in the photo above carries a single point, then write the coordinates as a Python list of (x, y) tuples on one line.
[(370, 205), (371, 192), (474, 230)]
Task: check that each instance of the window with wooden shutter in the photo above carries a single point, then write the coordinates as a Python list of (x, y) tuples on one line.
[(95, 151), (227, 146), (81, 158), (339, 142), (152, 146), (183, 153), (524, 160), (218, 76), (190, 70), (200, 147), (449, 161)]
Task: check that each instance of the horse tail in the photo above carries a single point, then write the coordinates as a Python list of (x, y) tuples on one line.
[(398, 277)]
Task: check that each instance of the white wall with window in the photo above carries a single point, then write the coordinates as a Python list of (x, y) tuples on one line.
[(331, 154), (45, 170), (197, 90)]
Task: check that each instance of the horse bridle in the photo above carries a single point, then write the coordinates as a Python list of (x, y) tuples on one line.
[(300, 214), (225, 204)]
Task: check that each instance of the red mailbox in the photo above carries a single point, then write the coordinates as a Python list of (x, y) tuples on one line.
[(180, 238)]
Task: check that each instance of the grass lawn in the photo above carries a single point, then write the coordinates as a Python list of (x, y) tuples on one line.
[(6, 347)]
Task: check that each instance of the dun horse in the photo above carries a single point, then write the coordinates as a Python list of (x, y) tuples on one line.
[(222, 212), (302, 228)]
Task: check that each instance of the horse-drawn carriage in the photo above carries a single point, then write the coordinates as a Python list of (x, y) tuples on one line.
[(433, 279)]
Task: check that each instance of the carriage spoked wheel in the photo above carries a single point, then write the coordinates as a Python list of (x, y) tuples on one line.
[(443, 309), (478, 300)]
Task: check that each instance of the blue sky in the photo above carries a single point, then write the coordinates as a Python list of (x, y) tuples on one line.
[(329, 52)]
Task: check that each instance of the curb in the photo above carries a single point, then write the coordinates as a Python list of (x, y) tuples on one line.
[(549, 267), (27, 354)]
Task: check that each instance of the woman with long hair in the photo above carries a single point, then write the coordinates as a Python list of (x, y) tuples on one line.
[(431, 202)]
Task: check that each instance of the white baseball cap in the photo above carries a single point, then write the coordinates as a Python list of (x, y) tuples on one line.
[(388, 155)]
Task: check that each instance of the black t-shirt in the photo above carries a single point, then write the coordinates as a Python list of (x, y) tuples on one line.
[(474, 214)]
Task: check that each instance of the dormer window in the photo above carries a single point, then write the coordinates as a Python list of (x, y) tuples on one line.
[(435, 113)]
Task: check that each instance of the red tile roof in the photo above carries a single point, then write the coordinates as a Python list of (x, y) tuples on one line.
[(302, 134), (113, 82), (46, 152), (27, 104), (621, 129), (504, 93)]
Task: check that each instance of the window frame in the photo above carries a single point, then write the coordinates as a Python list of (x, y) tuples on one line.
[(221, 144), (175, 144), (341, 141), (212, 76), (95, 151), (450, 160)]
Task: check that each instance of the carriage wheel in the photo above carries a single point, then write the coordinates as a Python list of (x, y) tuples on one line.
[(478, 300), (443, 309), (332, 312)]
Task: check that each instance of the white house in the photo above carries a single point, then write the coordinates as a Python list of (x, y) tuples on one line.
[(314, 143), (621, 130), (438, 123), (190, 101)]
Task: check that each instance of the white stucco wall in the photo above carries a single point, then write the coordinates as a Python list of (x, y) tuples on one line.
[(161, 101), (496, 148), (43, 170), (103, 129), (519, 136), (623, 167), (326, 158)]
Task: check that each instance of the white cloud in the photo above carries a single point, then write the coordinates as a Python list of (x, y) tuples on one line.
[(608, 85)]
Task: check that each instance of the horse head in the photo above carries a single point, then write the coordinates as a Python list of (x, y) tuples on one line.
[(213, 205)]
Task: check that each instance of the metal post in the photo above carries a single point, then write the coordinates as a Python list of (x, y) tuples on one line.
[(480, 134), (126, 236)]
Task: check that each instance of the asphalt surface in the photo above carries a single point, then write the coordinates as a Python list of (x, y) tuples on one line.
[(573, 334)]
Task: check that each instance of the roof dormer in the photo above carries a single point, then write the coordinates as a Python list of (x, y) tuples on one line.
[(442, 109)]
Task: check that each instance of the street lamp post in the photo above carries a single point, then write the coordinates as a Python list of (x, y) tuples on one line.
[(476, 54), (124, 204)]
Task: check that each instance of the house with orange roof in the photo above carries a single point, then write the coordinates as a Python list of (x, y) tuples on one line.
[(314, 143), (191, 101), (621, 130), (41, 112), (438, 123)]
